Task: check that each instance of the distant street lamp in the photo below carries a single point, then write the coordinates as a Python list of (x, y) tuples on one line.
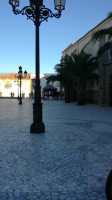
[(18, 89), (20, 77), (38, 13)]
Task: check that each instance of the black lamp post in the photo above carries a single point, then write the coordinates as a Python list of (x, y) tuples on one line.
[(38, 13), (20, 77), (18, 89)]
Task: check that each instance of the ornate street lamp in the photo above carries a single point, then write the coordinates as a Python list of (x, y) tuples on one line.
[(18, 89), (59, 5), (38, 13), (20, 76)]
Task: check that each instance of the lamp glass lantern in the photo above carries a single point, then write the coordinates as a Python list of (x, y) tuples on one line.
[(25, 73), (20, 71), (59, 4), (14, 2)]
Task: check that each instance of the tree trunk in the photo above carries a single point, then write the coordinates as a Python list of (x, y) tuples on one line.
[(73, 95), (81, 93), (67, 94)]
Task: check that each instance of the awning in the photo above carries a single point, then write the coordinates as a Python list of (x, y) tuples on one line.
[(49, 87)]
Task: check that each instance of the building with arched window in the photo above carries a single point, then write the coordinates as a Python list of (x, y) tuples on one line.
[(98, 90)]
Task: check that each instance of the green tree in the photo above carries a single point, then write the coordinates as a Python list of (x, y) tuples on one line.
[(75, 70), (64, 75), (84, 66)]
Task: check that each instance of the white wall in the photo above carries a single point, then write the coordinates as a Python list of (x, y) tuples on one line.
[(6, 92), (43, 81)]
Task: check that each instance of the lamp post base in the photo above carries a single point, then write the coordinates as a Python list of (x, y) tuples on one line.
[(37, 128), (20, 102)]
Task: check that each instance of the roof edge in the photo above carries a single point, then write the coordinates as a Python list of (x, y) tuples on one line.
[(85, 34)]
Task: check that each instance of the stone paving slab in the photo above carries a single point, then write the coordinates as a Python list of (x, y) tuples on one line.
[(70, 161)]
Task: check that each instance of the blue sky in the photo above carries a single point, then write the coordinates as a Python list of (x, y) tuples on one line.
[(17, 34)]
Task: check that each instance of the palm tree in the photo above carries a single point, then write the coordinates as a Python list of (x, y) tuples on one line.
[(75, 70), (54, 78), (103, 32), (84, 66), (64, 75)]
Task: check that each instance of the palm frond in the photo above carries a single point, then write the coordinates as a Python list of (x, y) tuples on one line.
[(52, 78), (106, 46), (84, 65), (97, 35), (109, 15)]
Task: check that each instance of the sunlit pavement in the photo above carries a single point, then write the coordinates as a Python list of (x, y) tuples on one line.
[(70, 161)]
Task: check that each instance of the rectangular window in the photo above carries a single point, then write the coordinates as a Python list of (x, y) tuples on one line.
[(8, 84), (108, 55)]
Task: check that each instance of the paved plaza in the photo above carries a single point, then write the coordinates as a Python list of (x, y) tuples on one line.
[(70, 161)]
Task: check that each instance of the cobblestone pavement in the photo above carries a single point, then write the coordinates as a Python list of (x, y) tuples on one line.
[(70, 161)]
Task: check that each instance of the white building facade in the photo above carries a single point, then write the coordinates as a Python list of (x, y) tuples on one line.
[(43, 82), (10, 85)]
